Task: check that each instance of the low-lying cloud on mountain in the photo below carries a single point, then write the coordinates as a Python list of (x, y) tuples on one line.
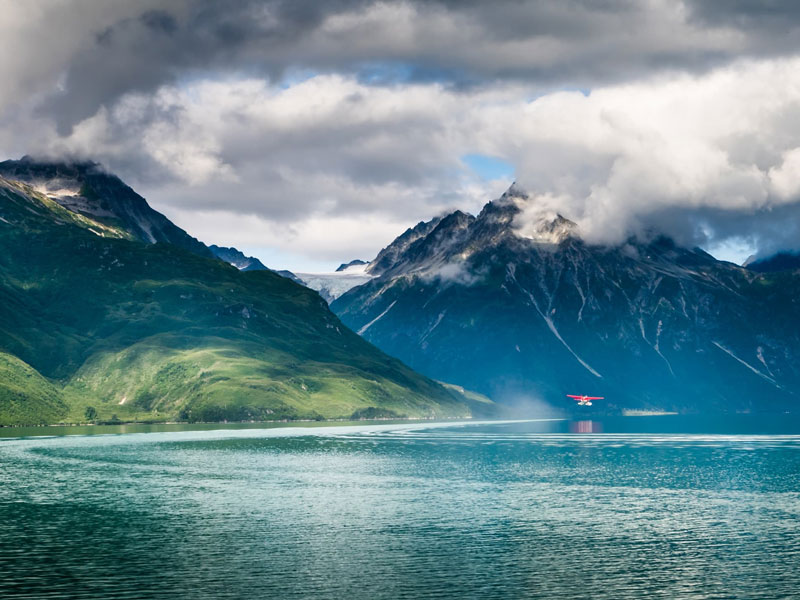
[(321, 130)]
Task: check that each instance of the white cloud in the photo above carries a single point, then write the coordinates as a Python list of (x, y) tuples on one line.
[(785, 177), (455, 273), (336, 167), (313, 241), (673, 152), (664, 152)]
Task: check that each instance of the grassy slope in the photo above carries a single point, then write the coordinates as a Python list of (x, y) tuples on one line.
[(155, 332), (26, 396)]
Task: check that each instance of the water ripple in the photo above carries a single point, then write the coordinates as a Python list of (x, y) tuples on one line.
[(400, 511)]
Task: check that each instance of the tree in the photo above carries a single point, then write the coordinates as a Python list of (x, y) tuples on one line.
[(90, 413)]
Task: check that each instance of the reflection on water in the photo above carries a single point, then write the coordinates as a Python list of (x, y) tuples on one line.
[(6, 432), (505, 510), (585, 427)]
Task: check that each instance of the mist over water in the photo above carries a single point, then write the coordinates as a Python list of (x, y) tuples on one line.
[(623, 508)]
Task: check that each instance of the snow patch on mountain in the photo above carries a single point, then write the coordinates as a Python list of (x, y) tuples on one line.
[(745, 363), (363, 330), (353, 266), (546, 316), (332, 285), (538, 218), (67, 194)]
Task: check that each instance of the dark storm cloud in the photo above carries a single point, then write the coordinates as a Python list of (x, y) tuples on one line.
[(159, 20), (775, 15), (544, 43)]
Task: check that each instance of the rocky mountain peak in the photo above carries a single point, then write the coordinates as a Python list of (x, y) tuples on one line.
[(514, 191), (86, 188), (350, 265), (545, 227), (390, 254), (451, 238), (61, 180), (530, 217)]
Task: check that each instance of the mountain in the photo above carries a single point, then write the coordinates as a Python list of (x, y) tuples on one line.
[(353, 263), (327, 285), (87, 189), (288, 275), (95, 320), (514, 304), (390, 255), (782, 261), (237, 258)]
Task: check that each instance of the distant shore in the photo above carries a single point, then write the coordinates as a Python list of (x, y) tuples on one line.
[(145, 426), (342, 420)]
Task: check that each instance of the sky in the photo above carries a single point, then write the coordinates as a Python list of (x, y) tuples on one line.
[(311, 133)]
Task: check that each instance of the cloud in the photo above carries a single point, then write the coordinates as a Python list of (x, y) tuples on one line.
[(291, 115), (454, 272), (328, 145), (98, 52), (702, 157), (308, 244), (784, 178)]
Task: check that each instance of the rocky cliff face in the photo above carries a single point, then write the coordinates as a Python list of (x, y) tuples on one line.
[(515, 304)]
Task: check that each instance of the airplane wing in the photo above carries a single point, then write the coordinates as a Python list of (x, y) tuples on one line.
[(576, 397), (595, 398)]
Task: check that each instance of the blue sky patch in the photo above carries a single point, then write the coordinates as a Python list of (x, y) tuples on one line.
[(489, 167)]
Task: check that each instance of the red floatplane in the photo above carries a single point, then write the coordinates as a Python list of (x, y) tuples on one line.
[(585, 400)]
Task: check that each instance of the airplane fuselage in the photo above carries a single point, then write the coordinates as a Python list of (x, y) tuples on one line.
[(584, 400)]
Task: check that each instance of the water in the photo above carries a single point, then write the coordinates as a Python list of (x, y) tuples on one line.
[(651, 507)]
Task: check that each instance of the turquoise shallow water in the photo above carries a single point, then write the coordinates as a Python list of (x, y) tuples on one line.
[(626, 508)]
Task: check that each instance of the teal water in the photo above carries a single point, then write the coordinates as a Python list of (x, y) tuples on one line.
[(625, 508)]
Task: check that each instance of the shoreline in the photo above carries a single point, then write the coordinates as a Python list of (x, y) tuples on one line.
[(576, 417), (144, 423), (66, 430)]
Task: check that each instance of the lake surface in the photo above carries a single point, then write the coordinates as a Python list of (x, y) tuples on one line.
[(657, 507)]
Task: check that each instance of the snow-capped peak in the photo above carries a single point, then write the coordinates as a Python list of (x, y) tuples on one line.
[(544, 226), (536, 217)]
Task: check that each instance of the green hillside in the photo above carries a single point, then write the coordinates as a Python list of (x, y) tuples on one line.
[(92, 320), (26, 396)]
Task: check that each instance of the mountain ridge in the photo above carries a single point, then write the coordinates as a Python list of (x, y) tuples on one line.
[(237, 258), (84, 187), (651, 325)]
